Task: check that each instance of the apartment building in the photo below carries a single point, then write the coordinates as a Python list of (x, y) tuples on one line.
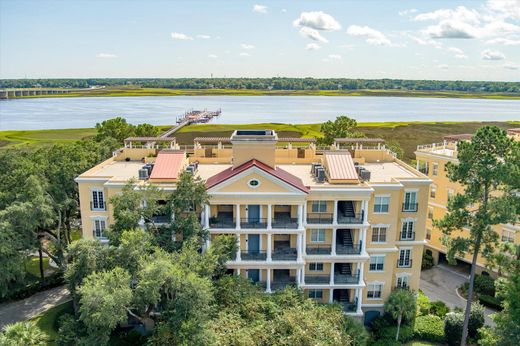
[(431, 161), (345, 223)]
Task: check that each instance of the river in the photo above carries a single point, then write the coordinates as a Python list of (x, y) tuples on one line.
[(82, 112)]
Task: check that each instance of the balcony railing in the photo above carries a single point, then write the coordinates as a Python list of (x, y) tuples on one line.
[(342, 279), (284, 254), (253, 255), (253, 223), (284, 223), (404, 264), (221, 223), (319, 218), (99, 208), (349, 306), (282, 283), (355, 249), (319, 249), (161, 219), (407, 236), (410, 207), (317, 279), (356, 218)]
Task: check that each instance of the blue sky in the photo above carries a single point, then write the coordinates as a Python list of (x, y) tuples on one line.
[(468, 40)]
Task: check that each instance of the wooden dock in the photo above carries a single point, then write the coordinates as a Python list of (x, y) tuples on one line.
[(192, 117)]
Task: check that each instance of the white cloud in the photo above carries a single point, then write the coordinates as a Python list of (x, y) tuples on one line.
[(457, 53), (260, 9), (335, 56), (505, 8), (312, 34), (180, 36), (511, 66), (212, 56), (461, 14), (312, 46), (442, 66), (106, 56), (489, 54), (372, 36), (460, 56), (283, 10), (204, 37), (424, 42), (407, 12), (348, 46), (504, 41), (247, 46), (244, 54), (451, 29), (317, 20)]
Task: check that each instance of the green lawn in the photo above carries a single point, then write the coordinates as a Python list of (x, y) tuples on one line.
[(48, 321), (13, 138), (421, 343), (32, 266)]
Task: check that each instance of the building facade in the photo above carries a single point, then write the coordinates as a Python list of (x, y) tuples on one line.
[(431, 161), (347, 223)]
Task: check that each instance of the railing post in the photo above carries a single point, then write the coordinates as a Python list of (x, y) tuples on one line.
[(334, 235), (237, 216), (269, 214), (269, 250), (331, 281)]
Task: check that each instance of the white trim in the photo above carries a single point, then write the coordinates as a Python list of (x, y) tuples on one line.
[(372, 305), (411, 190), (388, 186), (346, 189), (437, 205), (387, 250), (376, 270), (91, 180)]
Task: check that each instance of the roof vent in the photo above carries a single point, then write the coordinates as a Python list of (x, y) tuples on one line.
[(192, 168), (320, 174), (364, 174), (143, 174)]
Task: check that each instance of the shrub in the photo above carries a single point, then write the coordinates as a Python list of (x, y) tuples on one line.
[(439, 308), (490, 301), (69, 330), (33, 287), (429, 328), (423, 304), (476, 320), (384, 343), (427, 261), (485, 285), (453, 324), (405, 333), (24, 333)]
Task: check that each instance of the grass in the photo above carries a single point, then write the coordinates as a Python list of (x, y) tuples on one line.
[(137, 91), (13, 138), (421, 343), (48, 321), (32, 266)]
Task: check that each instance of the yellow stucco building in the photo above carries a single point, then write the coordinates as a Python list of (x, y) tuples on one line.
[(347, 223), (431, 161)]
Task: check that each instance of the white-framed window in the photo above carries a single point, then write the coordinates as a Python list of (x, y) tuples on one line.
[(402, 281), (381, 204), (377, 263), (319, 206), (316, 294), (407, 231), (317, 235), (433, 191), (374, 290), (430, 213), (450, 193), (405, 258), (253, 183), (410, 201), (508, 236), (99, 228), (315, 267), (379, 234), (98, 200), (435, 168), (428, 234)]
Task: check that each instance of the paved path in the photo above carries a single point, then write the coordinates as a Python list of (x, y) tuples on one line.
[(441, 282), (34, 305)]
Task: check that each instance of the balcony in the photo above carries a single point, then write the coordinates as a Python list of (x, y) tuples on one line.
[(345, 279), (349, 306), (283, 283), (320, 279), (284, 254), (354, 249), (410, 207), (404, 264), (408, 236), (160, 219), (284, 222), (257, 223), (101, 207), (318, 249), (217, 222), (353, 218), (253, 255), (319, 218)]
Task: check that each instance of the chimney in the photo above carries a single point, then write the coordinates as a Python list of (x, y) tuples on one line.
[(254, 144)]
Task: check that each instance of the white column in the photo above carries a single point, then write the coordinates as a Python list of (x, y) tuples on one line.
[(304, 240), (269, 218), (206, 215), (298, 277), (363, 239), (365, 212), (238, 271), (418, 165), (238, 245), (334, 233), (305, 213), (335, 213), (331, 281), (300, 216), (268, 281), (303, 276), (269, 247), (237, 216), (299, 247), (361, 267), (359, 294), (331, 295)]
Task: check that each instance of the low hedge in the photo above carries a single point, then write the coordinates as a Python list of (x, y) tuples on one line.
[(429, 328), (388, 333), (490, 301), (32, 288), (439, 308)]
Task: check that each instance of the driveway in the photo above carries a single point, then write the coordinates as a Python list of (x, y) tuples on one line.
[(441, 282), (34, 305)]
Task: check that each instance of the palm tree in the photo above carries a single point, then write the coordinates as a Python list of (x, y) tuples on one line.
[(401, 303), (23, 333)]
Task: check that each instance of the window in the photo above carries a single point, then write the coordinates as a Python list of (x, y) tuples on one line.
[(379, 234), (253, 183), (377, 263), (99, 229), (405, 258), (402, 281), (508, 236), (316, 294), (428, 234), (430, 213), (317, 235), (316, 267), (433, 191), (319, 206), (98, 200), (374, 291), (435, 168), (381, 204), (407, 232), (450, 193), (410, 201)]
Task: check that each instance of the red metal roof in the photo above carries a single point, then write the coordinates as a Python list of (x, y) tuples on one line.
[(275, 172), (340, 166), (167, 165)]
